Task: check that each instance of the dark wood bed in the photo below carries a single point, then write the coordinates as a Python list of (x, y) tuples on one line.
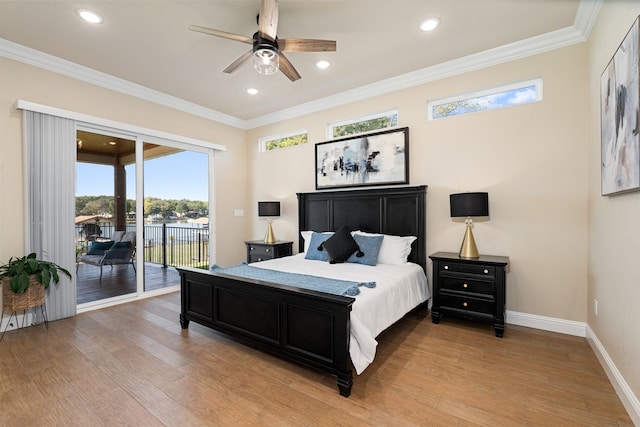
[(309, 327)]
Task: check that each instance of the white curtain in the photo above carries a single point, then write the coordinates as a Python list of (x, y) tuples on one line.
[(50, 154)]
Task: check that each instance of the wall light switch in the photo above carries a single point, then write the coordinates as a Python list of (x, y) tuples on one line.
[(238, 212)]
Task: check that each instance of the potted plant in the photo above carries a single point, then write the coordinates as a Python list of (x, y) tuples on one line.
[(25, 279)]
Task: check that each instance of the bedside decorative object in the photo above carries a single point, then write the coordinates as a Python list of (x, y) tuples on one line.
[(471, 289), (269, 210), (468, 205), (257, 250)]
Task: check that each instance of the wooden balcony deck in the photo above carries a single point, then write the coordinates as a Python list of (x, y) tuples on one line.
[(120, 280)]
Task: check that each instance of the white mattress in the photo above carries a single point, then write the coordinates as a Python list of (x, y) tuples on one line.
[(399, 289)]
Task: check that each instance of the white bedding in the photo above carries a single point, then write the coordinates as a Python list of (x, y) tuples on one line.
[(399, 289)]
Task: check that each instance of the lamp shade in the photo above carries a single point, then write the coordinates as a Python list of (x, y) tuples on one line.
[(268, 208), (469, 204)]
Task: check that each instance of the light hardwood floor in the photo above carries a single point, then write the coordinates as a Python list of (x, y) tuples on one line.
[(132, 365)]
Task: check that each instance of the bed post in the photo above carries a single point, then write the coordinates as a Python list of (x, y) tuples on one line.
[(345, 381)]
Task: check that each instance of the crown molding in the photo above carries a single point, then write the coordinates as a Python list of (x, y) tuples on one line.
[(578, 33), (52, 63)]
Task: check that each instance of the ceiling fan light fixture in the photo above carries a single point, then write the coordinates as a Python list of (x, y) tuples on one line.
[(429, 24), (266, 61)]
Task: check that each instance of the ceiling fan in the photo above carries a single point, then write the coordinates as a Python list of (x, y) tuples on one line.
[(267, 51)]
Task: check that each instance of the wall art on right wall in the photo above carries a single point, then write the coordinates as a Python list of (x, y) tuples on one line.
[(620, 118)]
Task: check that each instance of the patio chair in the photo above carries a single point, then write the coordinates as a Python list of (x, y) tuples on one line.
[(91, 231), (120, 250)]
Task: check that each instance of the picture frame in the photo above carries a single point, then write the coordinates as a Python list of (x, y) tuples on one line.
[(619, 115), (378, 158)]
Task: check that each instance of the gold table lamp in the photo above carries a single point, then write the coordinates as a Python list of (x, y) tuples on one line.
[(469, 205), (269, 210)]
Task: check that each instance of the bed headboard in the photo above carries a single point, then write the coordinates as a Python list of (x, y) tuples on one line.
[(399, 211)]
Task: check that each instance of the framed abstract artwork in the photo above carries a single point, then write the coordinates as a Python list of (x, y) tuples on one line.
[(380, 158), (620, 118)]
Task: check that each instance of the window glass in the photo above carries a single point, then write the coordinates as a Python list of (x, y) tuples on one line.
[(369, 123), (504, 96), (269, 143)]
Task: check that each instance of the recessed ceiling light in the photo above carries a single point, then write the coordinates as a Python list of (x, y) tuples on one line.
[(323, 64), (90, 16), (429, 24), (252, 91), (112, 143)]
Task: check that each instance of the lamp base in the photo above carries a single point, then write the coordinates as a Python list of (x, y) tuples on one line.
[(269, 237), (468, 250)]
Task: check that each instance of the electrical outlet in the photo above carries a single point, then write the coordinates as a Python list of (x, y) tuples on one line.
[(595, 306)]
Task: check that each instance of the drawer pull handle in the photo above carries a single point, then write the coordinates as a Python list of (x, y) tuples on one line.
[(260, 259), (464, 304), (446, 267), (270, 250), (465, 286), (252, 248), (486, 271)]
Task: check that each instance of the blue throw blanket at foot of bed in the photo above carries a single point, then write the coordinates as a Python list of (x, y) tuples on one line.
[(314, 283)]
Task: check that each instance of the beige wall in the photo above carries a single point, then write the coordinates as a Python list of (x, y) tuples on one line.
[(531, 159), (614, 228), (20, 81)]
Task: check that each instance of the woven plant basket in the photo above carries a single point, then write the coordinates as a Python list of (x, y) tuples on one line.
[(32, 297)]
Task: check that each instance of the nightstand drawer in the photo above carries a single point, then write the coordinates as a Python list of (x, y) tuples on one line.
[(257, 250), (467, 304), (264, 252), (461, 284), (454, 267), (258, 258)]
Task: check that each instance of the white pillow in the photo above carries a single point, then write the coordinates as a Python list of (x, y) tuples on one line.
[(306, 235), (394, 249)]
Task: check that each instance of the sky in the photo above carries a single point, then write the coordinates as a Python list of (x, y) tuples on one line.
[(178, 176)]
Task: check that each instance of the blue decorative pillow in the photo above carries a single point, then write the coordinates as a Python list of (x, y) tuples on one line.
[(341, 246), (121, 245), (369, 246), (315, 251), (120, 253), (98, 248)]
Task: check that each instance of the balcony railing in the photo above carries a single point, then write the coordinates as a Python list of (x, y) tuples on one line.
[(176, 245)]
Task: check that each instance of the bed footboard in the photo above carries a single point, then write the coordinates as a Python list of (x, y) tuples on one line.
[(304, 326)]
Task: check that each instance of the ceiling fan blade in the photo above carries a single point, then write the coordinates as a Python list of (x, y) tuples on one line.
[(268, 19), (222, 34), (306, 45), (288, 69), (238, 62)]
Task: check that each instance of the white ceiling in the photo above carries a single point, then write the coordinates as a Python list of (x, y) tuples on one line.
[(379, 46)]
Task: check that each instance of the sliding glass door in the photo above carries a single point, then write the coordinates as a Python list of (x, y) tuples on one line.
[(176, 213), (105, 198), (142, 209)]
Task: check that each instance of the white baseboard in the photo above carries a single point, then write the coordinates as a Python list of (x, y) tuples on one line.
[(580, 329), (568, 327), (628, 399)]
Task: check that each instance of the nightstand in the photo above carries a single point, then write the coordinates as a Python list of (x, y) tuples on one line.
[(473, 289), (258, 250)]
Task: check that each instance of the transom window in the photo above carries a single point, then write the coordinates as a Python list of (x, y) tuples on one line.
[(289, 139), (490, 99), (387, 119)]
